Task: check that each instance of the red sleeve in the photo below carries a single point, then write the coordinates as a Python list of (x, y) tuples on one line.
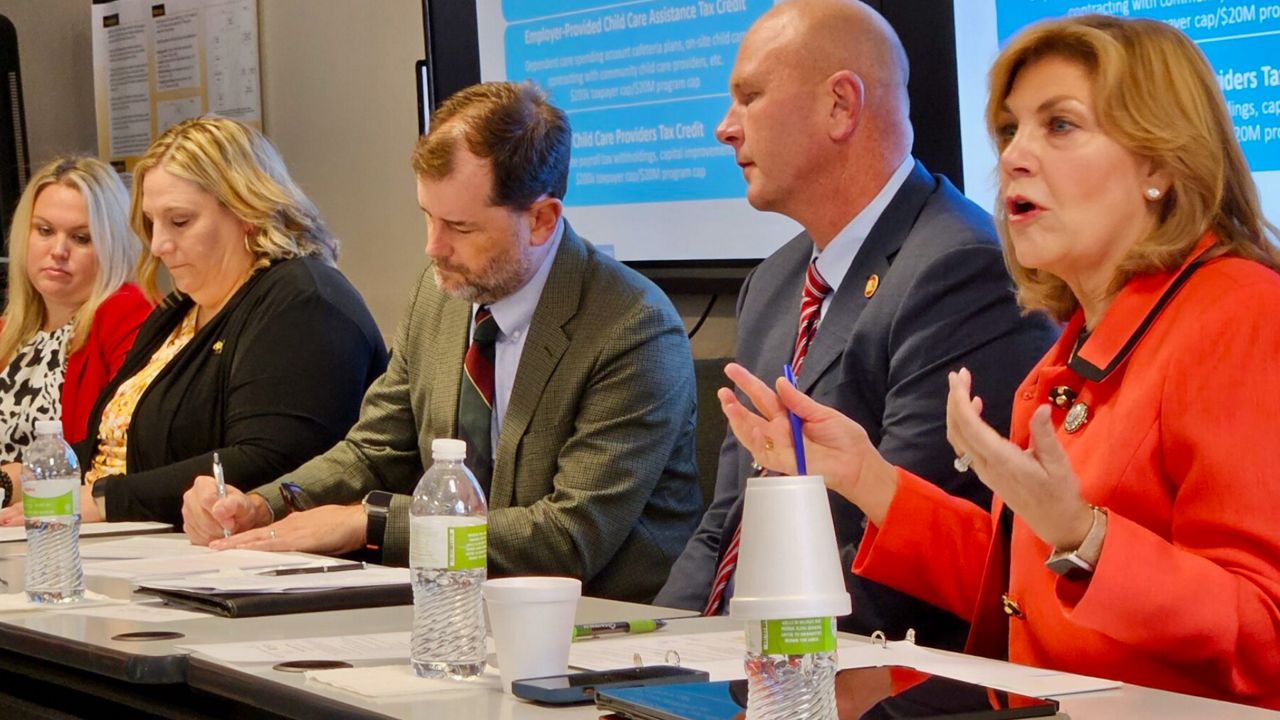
[(89, 369), (931, 545)]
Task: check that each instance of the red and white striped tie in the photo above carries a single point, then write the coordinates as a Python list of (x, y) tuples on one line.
[(816, 290)]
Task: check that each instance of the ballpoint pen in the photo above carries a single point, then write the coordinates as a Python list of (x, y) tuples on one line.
[(797, 429), (222, 485), (617, 628), (317, 569)]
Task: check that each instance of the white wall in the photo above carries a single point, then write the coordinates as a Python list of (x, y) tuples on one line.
[(56, 55), (339, 102)]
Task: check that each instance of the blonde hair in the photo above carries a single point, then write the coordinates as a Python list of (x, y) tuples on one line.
[(1156, 96), (239, 166), (106, 203)]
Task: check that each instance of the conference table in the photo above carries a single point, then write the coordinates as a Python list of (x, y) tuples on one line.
[(61, 664)]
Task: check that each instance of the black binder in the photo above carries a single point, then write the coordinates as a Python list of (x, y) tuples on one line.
[(234, 605)]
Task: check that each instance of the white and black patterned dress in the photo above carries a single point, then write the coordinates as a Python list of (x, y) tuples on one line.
[(31, 390)]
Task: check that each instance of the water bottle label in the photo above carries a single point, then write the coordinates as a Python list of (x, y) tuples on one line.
[(448, 543), (49, 498), (801, 636)]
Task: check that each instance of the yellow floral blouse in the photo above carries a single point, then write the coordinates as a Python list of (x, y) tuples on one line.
[(113, 431)]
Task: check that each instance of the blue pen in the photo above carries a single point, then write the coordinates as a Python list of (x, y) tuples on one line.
[(797, 431)]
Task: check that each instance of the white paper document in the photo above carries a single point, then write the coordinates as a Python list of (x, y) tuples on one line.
[(1033, 681), (383, 681), (19, 534), (718, 653), (377, 646), (721, 654), (147, 612), (187, 565), (146, 546), (306, 582), (18, 602)]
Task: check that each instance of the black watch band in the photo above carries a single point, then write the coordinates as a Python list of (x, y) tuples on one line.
[(377, 506)]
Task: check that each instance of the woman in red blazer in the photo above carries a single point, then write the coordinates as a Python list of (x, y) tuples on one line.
[(71, 313), (1133, 534)]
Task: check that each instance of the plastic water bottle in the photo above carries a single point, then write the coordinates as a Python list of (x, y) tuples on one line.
[(791, 669), (448, 553), (51, 509)]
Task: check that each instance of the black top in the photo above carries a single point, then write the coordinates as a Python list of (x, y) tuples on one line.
[(273, 379)]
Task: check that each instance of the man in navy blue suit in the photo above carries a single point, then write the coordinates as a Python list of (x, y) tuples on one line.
[(896, 279)]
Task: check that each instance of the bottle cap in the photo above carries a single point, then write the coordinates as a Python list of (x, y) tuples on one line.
[(48, 427), (448, 449)]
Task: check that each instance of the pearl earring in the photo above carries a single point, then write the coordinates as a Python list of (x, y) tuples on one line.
[(1153, 193)]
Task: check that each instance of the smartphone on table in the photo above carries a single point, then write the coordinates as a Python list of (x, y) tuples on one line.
[(581, 687)]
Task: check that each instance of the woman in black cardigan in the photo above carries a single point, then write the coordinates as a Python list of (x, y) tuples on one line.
[(263, 352)]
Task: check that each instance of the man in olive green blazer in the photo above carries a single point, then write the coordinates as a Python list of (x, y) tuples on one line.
[(593, 464)]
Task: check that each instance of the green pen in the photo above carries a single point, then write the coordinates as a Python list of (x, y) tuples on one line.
[(617, 628)]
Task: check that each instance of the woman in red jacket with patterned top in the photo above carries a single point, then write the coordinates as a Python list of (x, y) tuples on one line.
[(1133, 534), (72, 313)]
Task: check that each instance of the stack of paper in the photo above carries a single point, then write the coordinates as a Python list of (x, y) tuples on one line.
[(721, 654), (374, 646), (183, 565)]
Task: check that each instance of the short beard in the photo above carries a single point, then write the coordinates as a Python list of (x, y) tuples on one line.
[(499, 278)]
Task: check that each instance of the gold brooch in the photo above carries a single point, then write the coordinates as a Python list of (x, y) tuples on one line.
[(1011, 607), (1077, 416), (217, 348), (1062, 396), (873, 283)]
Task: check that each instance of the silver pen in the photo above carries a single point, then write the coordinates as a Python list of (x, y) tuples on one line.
[(222, 485)]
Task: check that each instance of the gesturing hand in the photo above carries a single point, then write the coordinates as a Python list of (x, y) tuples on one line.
[(1038, 483), (835, 446)]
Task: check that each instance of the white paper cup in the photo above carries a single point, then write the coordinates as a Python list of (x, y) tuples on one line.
[(532, 621), (788, 560)]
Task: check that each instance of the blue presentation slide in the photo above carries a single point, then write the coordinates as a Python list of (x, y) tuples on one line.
[(644, 85), (1241, 40)]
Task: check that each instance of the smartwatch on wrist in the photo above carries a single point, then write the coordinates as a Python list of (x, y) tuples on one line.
[(1078, 564), (377, 506)]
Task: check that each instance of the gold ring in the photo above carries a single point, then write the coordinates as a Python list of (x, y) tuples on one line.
[(273, 533), (768, 445)]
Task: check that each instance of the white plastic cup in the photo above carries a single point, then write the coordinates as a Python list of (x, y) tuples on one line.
[(788, 560), (532, 621)]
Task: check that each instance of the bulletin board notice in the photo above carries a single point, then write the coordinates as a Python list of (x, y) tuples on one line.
[(156, 64)]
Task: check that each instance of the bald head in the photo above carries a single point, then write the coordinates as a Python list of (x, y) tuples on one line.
[(827, 36), (819, 111), (814, 43)]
